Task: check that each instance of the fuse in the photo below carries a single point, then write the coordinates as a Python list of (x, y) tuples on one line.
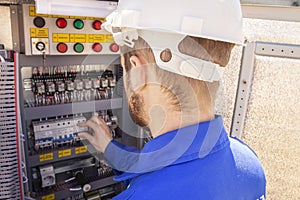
[(104, 82), (78, 84), (35, 71), (50, 86), (95, 83), (40, 71), (70, 85), (87, 84), (112, 81), (60, 85), (40, 88)]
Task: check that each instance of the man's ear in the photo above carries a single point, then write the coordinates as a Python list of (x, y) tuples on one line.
[(135, 61), (137, 73)]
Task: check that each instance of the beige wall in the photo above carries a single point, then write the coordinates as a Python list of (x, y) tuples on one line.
[(5, 30), (272, 126)]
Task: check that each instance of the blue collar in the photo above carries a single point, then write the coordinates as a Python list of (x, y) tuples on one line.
[(179, 146)]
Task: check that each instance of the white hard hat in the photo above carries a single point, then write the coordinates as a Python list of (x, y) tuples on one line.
[(167, 22)]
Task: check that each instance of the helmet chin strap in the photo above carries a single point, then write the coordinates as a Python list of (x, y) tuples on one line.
[(179, 63)]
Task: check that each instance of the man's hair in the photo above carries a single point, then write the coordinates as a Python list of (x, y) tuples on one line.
[(209, 50)]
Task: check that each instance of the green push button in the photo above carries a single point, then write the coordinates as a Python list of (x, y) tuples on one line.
[(78, 47), (78, 24)]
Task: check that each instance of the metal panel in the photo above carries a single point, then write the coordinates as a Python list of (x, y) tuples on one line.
[(9, 2), (5, 30), (73, 108), (36, 61), (15, 12)]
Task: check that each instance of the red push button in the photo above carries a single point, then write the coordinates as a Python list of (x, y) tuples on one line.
[(61, 23), (114, 47), (61, 47), (97, 47), (97, 25)]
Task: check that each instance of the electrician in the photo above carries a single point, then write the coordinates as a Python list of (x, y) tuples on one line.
[(173, 53)]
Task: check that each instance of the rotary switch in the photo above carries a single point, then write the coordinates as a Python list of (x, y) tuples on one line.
[(40, 46)]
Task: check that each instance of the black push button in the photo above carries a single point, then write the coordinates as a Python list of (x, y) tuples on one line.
[(39, 22)]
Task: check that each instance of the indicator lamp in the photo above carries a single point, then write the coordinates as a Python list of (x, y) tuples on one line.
[(78, 24)]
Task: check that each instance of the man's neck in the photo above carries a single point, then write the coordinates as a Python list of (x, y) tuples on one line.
[(164, 116), (164, 121)]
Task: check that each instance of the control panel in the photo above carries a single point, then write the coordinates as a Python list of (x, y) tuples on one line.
[(65, 35)]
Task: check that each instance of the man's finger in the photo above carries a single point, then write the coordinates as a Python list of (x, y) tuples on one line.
[(95, 119), (87, 136), (91, 124), (103, 125)]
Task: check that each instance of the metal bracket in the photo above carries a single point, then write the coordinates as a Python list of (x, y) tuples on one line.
[(277, 50), (243, 91), (246, 77)]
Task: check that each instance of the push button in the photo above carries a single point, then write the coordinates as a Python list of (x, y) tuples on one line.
[(78, 24), (61, 23), (78, 47), (39, 22), (97, 25), (114, 47), (61, 47), (97, 47)]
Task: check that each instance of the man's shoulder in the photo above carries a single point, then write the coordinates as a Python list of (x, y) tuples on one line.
[(242, 152), (247, 163)]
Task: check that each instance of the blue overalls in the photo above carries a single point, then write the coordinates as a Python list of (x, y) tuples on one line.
[(194, 162)]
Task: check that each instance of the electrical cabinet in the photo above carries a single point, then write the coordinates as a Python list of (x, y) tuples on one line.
[(54, 98), (66, 70)]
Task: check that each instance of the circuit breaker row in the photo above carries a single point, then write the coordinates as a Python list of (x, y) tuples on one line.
[(63, 131)]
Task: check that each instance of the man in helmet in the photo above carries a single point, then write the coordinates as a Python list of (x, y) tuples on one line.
[(173, 62)]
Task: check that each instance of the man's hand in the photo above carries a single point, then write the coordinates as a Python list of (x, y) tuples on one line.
[(101, 137)]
